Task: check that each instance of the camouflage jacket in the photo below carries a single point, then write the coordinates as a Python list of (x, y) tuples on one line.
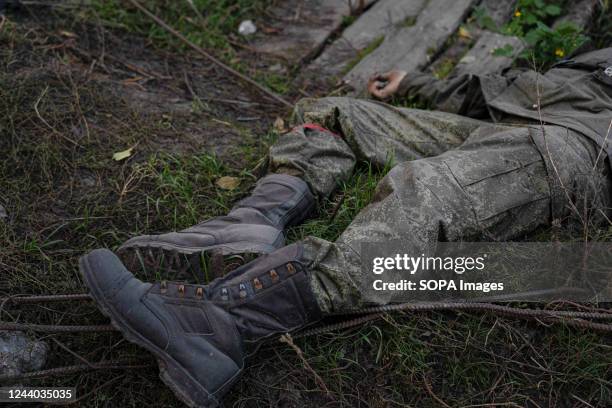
[(575, 93)]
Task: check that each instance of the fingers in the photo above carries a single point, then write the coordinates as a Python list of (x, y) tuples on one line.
[(383, 86), (385, 76), (381, 76), (374, 85), (376, 94), (379, 93), (377, 89)]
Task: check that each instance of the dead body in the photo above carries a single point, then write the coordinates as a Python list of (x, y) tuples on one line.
[(501, 157)]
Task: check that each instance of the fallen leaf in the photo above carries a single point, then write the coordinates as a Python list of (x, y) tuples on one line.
[(270, 30), (124, 154), (464, 33), (68, 34), (279, 125), (222, 122), (132, 80), (228, 183)]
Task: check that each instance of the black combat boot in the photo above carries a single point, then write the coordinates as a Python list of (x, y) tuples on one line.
[(198, 333), (255, 225)]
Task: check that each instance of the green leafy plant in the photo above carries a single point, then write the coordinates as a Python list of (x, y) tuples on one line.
[(483, 19), (528, 14), (551, 44), (531, 22)]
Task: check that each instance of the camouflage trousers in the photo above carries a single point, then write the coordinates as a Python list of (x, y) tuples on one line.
[(452, 178)]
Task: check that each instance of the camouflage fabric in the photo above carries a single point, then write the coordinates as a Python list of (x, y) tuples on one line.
[(363, 130), (576, 93), (502, 156), (453, 178)]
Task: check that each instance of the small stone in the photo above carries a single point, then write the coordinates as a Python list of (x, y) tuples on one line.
[(247, 27), (20, 354), (278, 69), (468, 59), (87, 178)]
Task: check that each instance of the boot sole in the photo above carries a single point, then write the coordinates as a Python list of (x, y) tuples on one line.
[(178, 255), (178, 379), (225, 249)]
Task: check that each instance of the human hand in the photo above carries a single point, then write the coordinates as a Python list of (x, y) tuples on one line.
[(384, 86)]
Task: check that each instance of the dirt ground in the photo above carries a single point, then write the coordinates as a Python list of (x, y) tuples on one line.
[(75, 90)]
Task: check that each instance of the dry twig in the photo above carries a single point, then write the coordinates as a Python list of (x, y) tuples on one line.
[(286, 338), (208, 56), (54, 372)]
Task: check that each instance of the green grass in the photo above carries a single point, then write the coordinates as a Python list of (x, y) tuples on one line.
[(445, 68), (363, 53), (601, 31), (409, 21), (208, 28), (533, 22), (337, 213), (463, 359)]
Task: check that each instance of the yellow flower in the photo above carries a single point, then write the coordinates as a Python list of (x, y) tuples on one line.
[(517, 13), (559, 53)]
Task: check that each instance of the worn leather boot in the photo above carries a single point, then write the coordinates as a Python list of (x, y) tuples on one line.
[(255, 225), (198, 333)]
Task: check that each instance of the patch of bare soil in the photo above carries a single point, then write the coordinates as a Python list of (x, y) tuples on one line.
[(209, 108), (87, 92), (72, 94)]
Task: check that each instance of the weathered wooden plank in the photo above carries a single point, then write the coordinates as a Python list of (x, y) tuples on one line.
[(303, 26), (368, 29), (411, 48), (480, 60)]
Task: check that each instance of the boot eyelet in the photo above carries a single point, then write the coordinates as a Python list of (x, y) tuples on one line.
[(200, 293), (163, 287), (181, 290), (242, 291), (274, 275), (290, 269), (224, 294), (257, 284)]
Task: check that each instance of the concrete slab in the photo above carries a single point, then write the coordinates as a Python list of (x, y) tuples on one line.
[(371, 27), (480, 60), (500, 11), (461, 50), (412, 48), (298, 29)]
